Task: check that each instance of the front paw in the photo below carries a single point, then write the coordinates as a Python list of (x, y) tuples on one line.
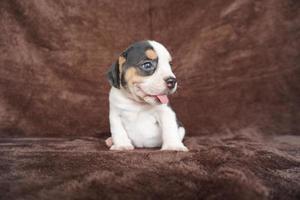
[(174, 147), (122, 147)]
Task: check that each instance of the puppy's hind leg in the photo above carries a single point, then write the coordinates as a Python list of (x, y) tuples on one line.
[(181, 132), (109, 142)]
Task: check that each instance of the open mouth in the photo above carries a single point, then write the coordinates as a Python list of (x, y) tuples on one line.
[(161, 98)]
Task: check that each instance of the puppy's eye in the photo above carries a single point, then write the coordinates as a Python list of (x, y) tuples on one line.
[(147, 66), (171, 64)]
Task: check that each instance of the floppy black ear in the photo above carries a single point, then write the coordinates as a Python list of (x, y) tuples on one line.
[(113, 75)]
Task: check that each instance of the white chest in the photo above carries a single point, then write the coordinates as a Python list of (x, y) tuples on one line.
[(142, 127)]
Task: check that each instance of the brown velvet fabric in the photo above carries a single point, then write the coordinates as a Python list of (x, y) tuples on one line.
[(237, 62), (232, 166), (238, 67)]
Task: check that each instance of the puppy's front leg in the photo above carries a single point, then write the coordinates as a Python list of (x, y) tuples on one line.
[(170, 135), (119, 136)]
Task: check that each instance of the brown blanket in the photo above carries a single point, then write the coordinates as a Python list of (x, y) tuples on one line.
[(238, 67), (234, 166), (237, 62)]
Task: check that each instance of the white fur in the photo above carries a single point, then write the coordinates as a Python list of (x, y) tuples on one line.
[(155, 84), (135, 123)]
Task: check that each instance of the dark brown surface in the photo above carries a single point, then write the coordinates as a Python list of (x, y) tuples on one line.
[(238, 66), (237, 62), (232, 166)]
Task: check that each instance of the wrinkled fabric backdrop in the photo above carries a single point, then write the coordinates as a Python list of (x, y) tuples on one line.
[(237, 62)]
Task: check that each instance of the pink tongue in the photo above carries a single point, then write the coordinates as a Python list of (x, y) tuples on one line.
[(163, 99)]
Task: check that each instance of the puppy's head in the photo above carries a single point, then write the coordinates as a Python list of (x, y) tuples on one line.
[(144, 72)]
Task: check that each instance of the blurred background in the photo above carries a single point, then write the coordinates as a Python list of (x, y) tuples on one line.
[(237, 63)]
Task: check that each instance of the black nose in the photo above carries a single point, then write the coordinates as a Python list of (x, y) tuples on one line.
[(171, 82)]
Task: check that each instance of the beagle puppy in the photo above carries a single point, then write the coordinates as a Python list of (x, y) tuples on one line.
[(139, 113)]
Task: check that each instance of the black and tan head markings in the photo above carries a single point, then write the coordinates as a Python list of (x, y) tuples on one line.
[(140, 60), (113, 75), (151, 54), (147, 67)]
